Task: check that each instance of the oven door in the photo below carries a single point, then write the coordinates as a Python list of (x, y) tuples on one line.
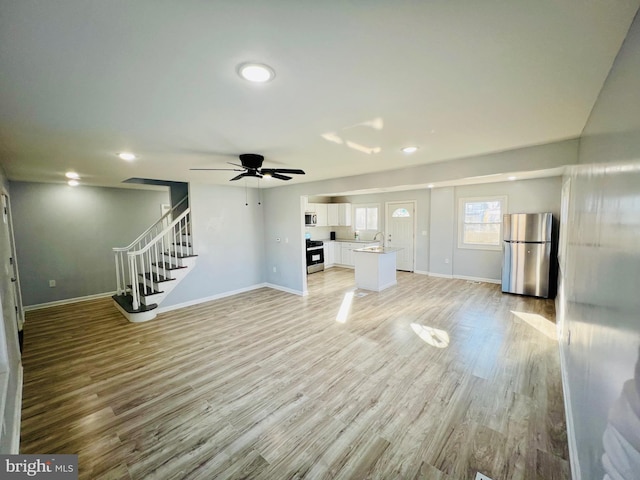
[(315, 259)]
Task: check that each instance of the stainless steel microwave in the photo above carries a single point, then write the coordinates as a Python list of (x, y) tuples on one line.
[(310, 219)]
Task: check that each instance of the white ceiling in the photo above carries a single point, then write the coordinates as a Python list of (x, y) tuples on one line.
[(81, 80)]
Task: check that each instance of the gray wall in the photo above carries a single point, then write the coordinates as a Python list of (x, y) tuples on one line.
[(442, 232), (66, 234), (228, 238), (599, 302), (523, 196)]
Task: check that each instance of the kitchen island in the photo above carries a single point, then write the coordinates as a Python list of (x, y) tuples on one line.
[(375, 267)]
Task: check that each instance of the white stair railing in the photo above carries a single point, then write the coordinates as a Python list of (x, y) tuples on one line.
[(136, 260)]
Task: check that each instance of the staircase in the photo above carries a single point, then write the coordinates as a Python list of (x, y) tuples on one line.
[(154, 263)]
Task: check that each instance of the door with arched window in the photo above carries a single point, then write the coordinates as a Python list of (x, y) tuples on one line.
[(400, 228)]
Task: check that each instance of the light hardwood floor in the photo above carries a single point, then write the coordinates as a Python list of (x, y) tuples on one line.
[(268, 385)]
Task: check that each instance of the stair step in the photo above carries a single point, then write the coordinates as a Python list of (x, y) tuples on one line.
[(126, 303), (146, 291), (154, 277), (167, 266), (179, 255), (183, 244)]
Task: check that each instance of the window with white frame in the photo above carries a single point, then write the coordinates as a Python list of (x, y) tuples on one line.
[(366, 217), (480, 222)]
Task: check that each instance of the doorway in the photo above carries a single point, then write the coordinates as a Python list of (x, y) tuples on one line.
[(400, 226)]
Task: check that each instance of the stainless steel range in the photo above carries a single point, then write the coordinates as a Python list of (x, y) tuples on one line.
[(315, 256)]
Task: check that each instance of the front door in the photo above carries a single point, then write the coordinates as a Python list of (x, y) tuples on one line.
[(400, 227)]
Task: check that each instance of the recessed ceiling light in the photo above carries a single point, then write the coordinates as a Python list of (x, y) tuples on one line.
[(410, 149), (267, 175), (430, 185), (512, 177), (73, 183), (72, 175), (127, 156), (256, 72)]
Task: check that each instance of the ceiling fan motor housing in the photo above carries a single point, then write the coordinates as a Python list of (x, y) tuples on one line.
[(252, 161)]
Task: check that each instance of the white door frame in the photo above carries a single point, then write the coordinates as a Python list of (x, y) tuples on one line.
[(415, 224)]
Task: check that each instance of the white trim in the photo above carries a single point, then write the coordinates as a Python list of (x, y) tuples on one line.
[(463, 277), (478, 279), (439, 275), (137, 317), (229, 294), (39, 306), (287, 290), (217, 296), (414, 239), (503, 199), (17, 415), (421, 272), (568, 413)]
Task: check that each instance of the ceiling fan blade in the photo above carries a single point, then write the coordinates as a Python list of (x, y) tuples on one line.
[(296, 171), (278, 176), (236, 165), (225, 169), (250, 173)]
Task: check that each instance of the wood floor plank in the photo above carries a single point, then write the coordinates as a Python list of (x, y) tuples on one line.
[(266, 385)]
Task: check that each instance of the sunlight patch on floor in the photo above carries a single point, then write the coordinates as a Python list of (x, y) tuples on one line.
[(433, 336), (343, 313), (538, 322)]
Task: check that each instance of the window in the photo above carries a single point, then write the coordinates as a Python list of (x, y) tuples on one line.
[(366, 217), (400, 213), (480, 222)]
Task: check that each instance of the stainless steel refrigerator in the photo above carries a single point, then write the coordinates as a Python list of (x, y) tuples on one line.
[(526, 254)]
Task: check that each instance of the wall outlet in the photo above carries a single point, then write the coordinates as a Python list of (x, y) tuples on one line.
[(446, 260), (52, 283), (275, 269)]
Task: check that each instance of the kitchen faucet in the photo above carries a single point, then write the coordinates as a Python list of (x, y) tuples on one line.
[(382, 236)]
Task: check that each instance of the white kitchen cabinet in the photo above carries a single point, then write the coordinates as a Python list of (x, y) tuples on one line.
[(344, 214), (329, 254), (333, 214), (346, 254), (321, 213), (346, 251)]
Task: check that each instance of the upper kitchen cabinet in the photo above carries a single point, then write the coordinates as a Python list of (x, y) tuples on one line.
[(331, 214), (344, 214), (322, 214), (339, 214)]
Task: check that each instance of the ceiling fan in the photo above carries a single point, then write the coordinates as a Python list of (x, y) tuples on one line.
[(251, 166)]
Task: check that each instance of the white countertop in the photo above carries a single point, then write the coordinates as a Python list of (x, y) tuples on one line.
[(352, 240), (378, 250)]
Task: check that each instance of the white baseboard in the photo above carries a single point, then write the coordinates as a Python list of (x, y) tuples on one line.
[(478, 279), (288, 290), (211, 298), (439, 275), (421, 272), (39, 306), (568, 413), (17, 415), (463, 277)]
